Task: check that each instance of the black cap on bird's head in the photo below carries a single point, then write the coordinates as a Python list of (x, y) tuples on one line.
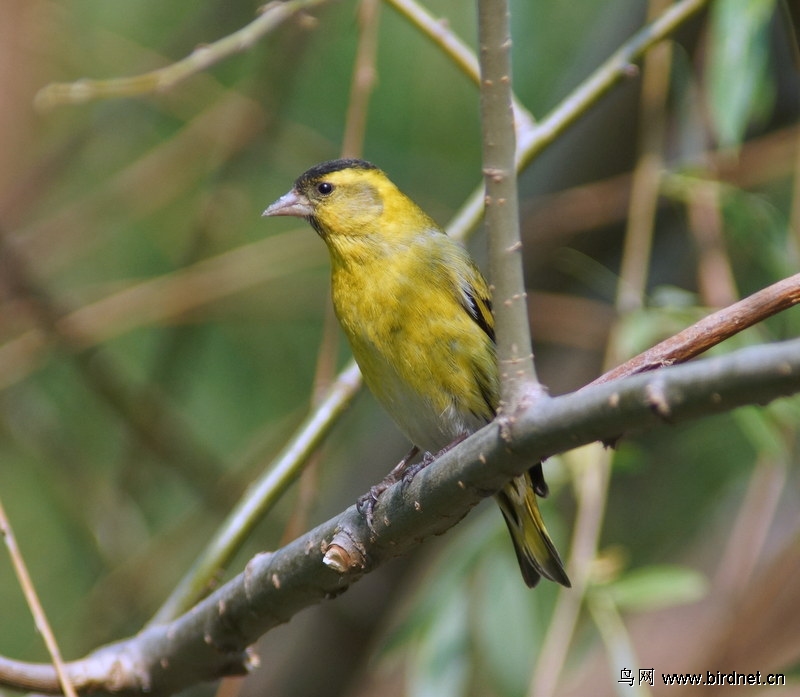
[(319, 171)]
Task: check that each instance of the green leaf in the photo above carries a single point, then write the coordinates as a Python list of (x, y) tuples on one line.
[(654, 587), (740, 88)]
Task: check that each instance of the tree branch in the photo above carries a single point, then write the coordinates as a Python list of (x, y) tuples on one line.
[(621, 64), (712, 330), (442, 36), (514, 348), (211, 640), (272, 16), (531, 142)]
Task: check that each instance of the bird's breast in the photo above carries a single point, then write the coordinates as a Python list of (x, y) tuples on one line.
[(421, 354)]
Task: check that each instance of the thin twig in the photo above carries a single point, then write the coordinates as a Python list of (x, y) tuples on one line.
[(273, 15), (631, 287), (619, 66), (715, 278), (591, 483), (635, 264), (712, 330), (620, 647), (440, 34), (444, 38), (794, 211), (32, 598), (749, 532), (557, 217), (308, 485), (364, 78)]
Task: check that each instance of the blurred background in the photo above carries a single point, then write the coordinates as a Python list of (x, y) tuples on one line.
[(160, 342)]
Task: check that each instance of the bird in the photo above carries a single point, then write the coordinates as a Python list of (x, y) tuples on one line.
[(417, 314)]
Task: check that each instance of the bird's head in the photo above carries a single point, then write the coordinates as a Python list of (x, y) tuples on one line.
[(351, 198)]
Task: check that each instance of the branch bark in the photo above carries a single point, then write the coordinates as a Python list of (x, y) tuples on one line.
[(514, 349), (211, 640)]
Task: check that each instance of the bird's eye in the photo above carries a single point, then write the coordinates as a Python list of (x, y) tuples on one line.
[(324, 188)]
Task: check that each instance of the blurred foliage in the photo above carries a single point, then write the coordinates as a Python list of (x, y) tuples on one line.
[(739, 47), (100, 200)]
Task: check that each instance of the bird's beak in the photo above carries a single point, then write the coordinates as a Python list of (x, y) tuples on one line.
[(293, 203)]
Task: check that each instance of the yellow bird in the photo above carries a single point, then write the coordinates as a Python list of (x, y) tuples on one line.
[(417, 313)]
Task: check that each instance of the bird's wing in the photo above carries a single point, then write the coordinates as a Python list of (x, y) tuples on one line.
[(476, 300)]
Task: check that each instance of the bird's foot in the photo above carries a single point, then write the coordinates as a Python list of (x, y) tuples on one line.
[(403, 472), (366, 504), (413, 470)]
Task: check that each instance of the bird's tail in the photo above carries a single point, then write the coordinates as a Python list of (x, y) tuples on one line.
[(536, 553)]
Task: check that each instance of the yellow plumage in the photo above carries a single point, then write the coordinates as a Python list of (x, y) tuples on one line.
[(417, 314)]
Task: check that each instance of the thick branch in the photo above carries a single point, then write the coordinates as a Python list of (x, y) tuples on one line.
[(210, 641)]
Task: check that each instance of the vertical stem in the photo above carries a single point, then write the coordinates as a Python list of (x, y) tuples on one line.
[(364, 77), (793, 240), (594, 468), (714, 274), (755, 516), (514, 352), (32, 598), (635, 266)]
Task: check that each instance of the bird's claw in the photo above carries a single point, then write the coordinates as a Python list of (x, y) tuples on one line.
[(413, 470), (365, 504), (403, 473)]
